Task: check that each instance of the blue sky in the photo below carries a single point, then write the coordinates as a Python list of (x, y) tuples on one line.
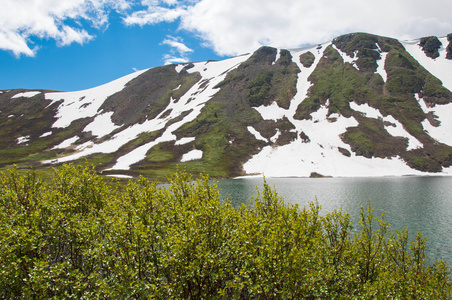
[(115, 51), (78, 44)]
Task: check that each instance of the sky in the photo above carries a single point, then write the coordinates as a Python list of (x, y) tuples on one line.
[(70, 45)]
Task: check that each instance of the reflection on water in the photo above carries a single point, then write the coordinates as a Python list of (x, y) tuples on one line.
[(421, 204)]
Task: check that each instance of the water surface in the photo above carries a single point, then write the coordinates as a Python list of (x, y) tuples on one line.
[(421, 204)]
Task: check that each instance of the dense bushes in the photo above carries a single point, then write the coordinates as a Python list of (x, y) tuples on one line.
[(81, 237)]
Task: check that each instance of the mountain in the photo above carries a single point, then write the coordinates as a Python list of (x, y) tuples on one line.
[(359, 105)]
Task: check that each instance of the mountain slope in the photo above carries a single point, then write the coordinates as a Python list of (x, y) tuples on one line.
[(360, 105)]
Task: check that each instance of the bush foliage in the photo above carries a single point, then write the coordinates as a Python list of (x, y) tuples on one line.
[(84, 238)]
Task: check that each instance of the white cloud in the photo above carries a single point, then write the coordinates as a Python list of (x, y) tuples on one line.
[(20, 20), (177, 44), (177, 47), (228, 27), (236, 26), (14, 42), (69, 35), (171, 59), (154, 15)]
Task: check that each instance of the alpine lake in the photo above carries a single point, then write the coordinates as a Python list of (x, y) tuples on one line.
[(419, 204)]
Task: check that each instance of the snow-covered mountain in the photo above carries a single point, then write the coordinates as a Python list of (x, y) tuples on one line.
[(360, 105)]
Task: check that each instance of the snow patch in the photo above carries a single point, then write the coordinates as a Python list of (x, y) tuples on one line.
[(256, 134), (192, 155), (271, 112), (422, 104), (274, 138), (294, 160), (179, 67), (26, 94), (23, 139), (46, 134), (120, 176), (184, 141), (85, 145), (300, 158), (278, 55), (381, 65), (102, 125), (66, 143), (366, 110)]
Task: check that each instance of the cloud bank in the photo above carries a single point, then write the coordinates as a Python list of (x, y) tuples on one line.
[(237, 26), (228, 27), (21, 21)]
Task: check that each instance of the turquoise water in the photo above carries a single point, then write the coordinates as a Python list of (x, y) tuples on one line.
[(421, 204)]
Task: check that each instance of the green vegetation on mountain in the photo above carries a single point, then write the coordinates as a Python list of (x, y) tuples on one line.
[(259, 89), (85, 238), (262, 80), (307, 59), (430, 45)]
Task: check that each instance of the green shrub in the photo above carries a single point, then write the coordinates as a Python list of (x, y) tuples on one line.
[(84, 238)]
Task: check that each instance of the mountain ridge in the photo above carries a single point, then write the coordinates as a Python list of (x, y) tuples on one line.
[(359, 105)]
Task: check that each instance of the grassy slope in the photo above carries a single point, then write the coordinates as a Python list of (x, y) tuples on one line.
[(32, 117)]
